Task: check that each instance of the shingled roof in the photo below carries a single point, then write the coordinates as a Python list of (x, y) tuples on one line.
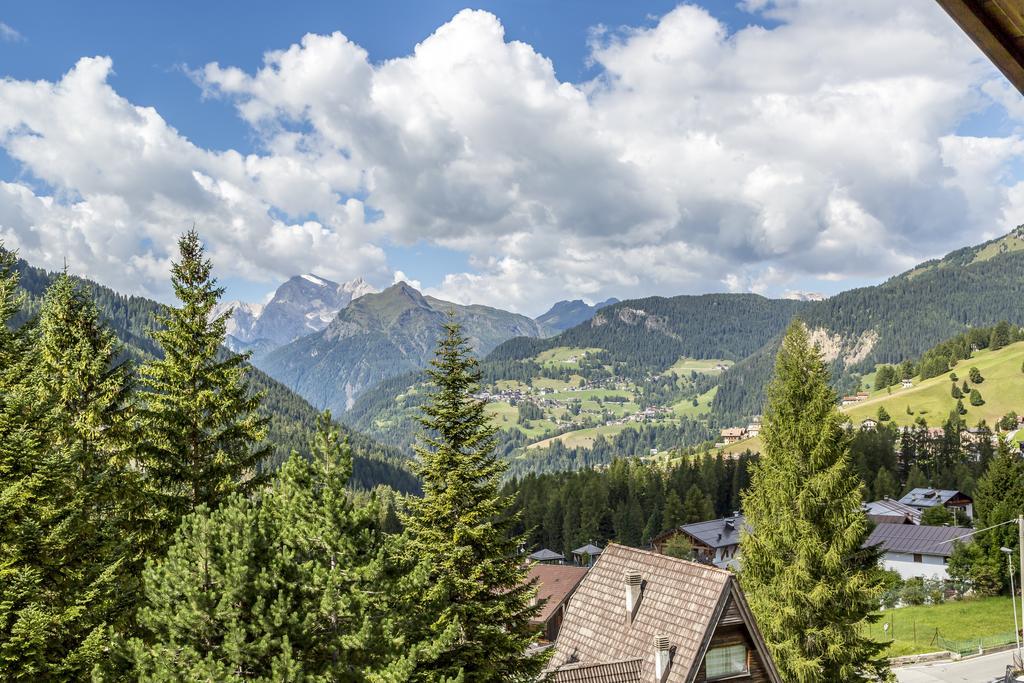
[(555, 582), (626, 671), (681, 600), (716, 533), (913, 539)]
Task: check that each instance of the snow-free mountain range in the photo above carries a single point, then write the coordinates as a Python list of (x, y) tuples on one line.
[(330, 341), (360, 352)]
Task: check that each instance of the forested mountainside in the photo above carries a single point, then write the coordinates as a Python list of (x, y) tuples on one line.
[(380, 336), (897, 320), (653, 333), (292, 419), (661, 373)]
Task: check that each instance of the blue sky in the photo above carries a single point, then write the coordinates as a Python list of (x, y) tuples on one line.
[(157, 50), (152, 45)]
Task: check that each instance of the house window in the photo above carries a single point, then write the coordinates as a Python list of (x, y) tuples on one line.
[(917, 557), (722, 662)]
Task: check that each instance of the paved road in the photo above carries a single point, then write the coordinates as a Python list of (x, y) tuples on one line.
[(977, 670)]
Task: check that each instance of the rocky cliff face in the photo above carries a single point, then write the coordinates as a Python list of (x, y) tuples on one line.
[(303, 305)]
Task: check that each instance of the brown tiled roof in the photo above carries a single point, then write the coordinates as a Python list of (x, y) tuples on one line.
[(554, 582), (680, 599), (626, 671)]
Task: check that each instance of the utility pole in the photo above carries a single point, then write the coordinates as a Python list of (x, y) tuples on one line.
[(1020, 554)]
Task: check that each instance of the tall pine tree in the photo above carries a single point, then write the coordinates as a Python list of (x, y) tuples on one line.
[(809, 582), (473, 601), (998, 498), (87, 557), (203, 432), (23, 628), (286, 585)]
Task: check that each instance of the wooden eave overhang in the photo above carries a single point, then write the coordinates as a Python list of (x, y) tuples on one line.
[(997, 27)]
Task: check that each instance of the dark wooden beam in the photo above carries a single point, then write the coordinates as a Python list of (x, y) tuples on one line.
[(997, 27)]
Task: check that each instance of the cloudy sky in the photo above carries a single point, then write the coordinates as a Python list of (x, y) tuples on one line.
[(514, 153)]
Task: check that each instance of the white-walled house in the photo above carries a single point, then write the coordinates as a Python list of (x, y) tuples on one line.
[(916, 551)]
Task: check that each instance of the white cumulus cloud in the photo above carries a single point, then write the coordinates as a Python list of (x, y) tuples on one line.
[(821, 149)]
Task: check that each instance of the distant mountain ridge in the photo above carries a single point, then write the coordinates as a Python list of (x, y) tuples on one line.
[(379, 336), (566, 314), (302, 305)]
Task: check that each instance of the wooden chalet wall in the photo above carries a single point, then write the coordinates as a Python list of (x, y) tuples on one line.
[(731, 631)]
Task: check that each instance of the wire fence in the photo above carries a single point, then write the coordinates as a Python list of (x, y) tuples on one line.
[(976, 645), (928, 638)]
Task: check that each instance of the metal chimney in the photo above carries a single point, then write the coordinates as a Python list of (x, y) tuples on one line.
[(662, 658), (634, 589)]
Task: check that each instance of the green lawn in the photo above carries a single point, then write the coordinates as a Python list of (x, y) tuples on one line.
[(1002, 390), (584, 437), (589, 394), (912, 630), (703, 407), (553, 384), (1007, 244), (752, 444), (564, 356), (684, 366)]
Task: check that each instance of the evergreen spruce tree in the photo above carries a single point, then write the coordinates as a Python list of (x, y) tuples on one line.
[(203, 432), (1002, 335), (86, 553), (999, 497), (809, 582), (23, 629), (285, 585), (472, 599), (697, 507), (674, 514)]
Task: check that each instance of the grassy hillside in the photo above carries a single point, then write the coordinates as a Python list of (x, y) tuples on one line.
[(896, 320), (566, 397), (1002, 389)]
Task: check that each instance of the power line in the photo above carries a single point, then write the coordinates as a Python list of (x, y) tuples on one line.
[(976, 531)]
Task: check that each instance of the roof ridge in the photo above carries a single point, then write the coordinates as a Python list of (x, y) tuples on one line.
[(669, 557)]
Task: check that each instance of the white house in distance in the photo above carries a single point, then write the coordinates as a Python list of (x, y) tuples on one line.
[(916, 551), (924, 498)]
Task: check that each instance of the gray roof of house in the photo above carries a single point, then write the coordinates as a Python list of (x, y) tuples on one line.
[(588, 549), (926, 497), (544, 555), (913, 539), (716, 533), (887, 507)]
